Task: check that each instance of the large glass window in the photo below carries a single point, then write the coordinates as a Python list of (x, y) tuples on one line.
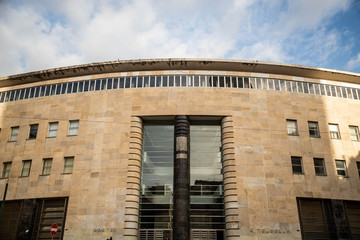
[(157, 177), (206, 179)]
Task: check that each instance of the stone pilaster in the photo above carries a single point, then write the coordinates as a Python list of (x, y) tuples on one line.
[(133, 180), (229, 171)]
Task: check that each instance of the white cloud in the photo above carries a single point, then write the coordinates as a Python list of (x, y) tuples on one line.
[(60, 33), (354, 62)]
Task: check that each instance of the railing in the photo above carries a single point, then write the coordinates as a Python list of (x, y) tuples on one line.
[(181, 81)]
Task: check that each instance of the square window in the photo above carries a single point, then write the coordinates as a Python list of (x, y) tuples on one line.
[(6, 170), (73, 127), (25, 171), (33, 131), (354, 133), (358, 167), (14, 133), (68, 164), (47, 162), (296, 163), (314, 129), (292, 127), (53, 127), (334, 131), (341, 168), (319, 165)]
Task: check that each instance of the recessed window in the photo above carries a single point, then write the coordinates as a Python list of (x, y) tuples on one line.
[(25, 171), (358, 167), (47, 162), (6, 170), (354, 133), (73, 127), (14, 133), (341, 168), (319, 165), (314, 129), (334, 131), (53, 127), (292, 128), (296, 163), (33, 131), (68, 164)]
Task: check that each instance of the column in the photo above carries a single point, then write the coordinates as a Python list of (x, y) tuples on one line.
[(181, 214)]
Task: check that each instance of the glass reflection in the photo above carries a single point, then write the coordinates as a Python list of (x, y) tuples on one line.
[(206, 179), (157, 177)]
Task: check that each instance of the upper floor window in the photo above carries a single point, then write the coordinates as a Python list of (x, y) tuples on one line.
[(14, 133), (341, 168), (73, 127), (33, 131), (68, 164), (47, 162), (296, 163), (314, 129), (319, 165), (354, 133), (53, 127), (6, 170), (292, 128), (25, 171), (358, 167), (334, 131)]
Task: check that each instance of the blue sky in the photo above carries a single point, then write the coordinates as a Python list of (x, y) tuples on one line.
[(43, 34)]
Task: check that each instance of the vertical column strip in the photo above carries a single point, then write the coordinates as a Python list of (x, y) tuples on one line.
[(133, 179), (181, 220), (230, 189)]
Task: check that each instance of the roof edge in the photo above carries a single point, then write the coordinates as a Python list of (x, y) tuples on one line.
[(180, 64)]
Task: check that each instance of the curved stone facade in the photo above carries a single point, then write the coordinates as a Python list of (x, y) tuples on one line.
[(101, 129)]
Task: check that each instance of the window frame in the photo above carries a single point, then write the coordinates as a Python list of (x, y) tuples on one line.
[(344, 168), (52, 130), (73, 128), (296, 127), (33, 130), (338, 136), (46, 170), (65, 165), (317, 135), (5, 173), (323, 166), (25, 172), (356, 133), (297, 165), (14, 137)]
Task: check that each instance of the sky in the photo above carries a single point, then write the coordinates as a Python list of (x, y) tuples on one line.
[(43, 34)]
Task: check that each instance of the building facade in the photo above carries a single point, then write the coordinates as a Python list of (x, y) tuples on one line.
[(180, 149)]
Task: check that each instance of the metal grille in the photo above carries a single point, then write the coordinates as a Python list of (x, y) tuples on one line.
[(203, 234), (155, 234)]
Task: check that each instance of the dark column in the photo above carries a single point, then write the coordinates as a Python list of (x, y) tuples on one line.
[(26, 222), (181, 218), (341, 223)]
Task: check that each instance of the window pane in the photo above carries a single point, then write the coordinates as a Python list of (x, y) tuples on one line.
[(354, 133), (68, 164), (6, 170), (292, 127), (46, 166), (313, 129), (53, 127), (25, 172), (73, 127), (14, 133), (334, 131), (341, 167)]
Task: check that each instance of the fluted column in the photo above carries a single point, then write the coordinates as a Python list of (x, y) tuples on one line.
[(133, 180), (229, 171), (181, 218)]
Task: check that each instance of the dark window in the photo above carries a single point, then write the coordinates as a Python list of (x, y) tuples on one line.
[(358, 167), (319, 165), (296, 163), (33, 131), (109, 83), (75, 87), (314, 129)]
